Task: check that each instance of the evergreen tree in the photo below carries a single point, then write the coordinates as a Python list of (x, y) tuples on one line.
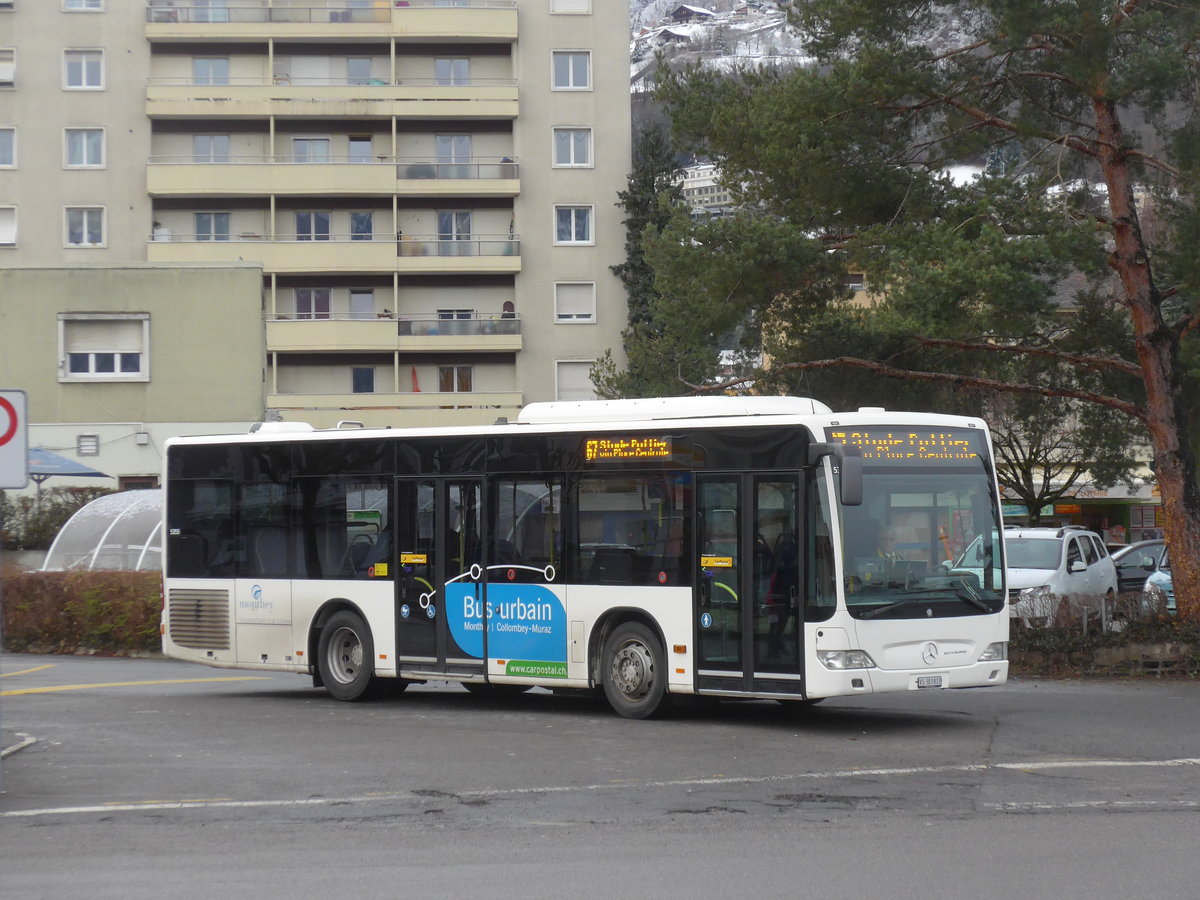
[(1084, 115)]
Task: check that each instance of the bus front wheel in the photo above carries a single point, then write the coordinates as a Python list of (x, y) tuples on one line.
[(345, 656), (634, 671)]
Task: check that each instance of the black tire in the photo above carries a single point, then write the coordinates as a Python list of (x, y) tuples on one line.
[(634, 671), (346, 656)]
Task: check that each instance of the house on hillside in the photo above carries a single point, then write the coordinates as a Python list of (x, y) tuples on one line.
[(684, 13)]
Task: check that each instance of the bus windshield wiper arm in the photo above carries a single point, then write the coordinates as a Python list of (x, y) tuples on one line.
[(964, 593)]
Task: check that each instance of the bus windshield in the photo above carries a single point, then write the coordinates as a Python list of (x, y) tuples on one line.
[(927, 495)]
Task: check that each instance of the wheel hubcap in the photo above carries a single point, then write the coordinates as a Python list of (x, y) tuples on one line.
[(345, 655), (633, 671)]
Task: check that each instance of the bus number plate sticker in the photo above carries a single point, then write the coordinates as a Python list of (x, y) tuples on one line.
[(930, 682)]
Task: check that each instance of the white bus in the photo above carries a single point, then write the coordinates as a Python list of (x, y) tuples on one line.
[(729, 547)]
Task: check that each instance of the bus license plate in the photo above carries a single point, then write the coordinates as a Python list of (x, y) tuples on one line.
[(929, 682)]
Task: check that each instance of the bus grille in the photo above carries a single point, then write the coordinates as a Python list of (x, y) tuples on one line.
[(199, 619)]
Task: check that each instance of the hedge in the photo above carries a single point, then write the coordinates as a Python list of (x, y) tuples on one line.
[(82, 612)]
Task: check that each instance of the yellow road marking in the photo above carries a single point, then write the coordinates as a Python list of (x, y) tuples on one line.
[(27, 671), (85, 687)]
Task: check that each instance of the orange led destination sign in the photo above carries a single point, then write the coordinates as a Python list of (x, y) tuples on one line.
[(888, 444), (616, 448)]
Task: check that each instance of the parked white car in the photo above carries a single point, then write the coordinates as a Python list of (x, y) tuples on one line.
[(1047, 566)]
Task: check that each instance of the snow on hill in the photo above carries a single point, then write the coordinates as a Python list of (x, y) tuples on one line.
[(720, 33)]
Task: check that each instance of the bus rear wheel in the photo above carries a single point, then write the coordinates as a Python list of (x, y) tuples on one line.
[(634, 671), (345, 656)]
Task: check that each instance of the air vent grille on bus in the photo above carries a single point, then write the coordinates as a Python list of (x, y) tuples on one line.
[(198, 618)]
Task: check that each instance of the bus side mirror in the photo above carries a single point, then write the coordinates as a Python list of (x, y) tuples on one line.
[(851, 469)]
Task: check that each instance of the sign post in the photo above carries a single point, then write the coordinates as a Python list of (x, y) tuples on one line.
[(14, 465)]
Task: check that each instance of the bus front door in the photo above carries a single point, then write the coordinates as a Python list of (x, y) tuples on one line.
[(746, 602), (439, 583)]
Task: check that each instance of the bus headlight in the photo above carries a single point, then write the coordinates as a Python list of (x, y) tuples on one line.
[(845, 659), (996, 651)]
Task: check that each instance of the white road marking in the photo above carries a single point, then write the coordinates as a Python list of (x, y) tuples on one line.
[(1029, 766)]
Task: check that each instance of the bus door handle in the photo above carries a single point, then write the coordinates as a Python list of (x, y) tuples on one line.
[(705, 590)]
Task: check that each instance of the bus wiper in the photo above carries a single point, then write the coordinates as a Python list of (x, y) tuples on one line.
[(962, 591)]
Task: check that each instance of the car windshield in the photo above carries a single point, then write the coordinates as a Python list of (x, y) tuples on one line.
[(1033, 553), (1166, 562)]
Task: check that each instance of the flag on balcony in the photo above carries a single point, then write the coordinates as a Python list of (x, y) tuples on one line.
[(416, 384)]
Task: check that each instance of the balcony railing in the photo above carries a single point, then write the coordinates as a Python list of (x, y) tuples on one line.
[(406, 245), (306, 11), (325, 81), (417, 168), (417, 324)]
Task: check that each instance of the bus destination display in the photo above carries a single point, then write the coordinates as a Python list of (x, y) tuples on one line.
[(613, 449), (891, 444)]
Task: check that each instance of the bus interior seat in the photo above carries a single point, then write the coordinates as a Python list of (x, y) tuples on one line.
[(269, 545)]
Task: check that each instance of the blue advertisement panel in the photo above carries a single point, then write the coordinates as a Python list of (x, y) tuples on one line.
[(526, 626)]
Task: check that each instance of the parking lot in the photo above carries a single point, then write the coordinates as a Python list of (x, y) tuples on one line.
[(142, 777)]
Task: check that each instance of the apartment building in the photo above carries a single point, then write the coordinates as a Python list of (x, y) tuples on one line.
[(429, 186)]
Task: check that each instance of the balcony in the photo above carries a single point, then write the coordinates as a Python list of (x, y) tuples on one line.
[(260, 98), (434, 254), (420, 333), (400, 410), (258, 176), (409, 20)]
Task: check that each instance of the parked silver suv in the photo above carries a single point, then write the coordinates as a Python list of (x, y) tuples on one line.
[(1049, 569)]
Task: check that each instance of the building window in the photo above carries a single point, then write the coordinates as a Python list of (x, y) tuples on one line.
[(312, 303), (212, 226), (572, 146), (363, 378), (575, 301), (85, 148), (455, 379), (573, 225), (454, 233), (211, 11), (572, 70), (83, 5), (104, 347), (210, 148), (85, 226), (8, 148), (210, 70), (362, 226), (362, 304), (358, 70), (452, 70), (312, 225), (8, 226), (87, 445), (83, 70), (310, 150), (8, 66), (573, 380), (359, 146)]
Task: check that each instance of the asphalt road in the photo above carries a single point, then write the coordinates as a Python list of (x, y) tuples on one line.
[(149, 778)]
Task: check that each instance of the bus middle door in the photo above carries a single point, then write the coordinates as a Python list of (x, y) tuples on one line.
[(440, 594)]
